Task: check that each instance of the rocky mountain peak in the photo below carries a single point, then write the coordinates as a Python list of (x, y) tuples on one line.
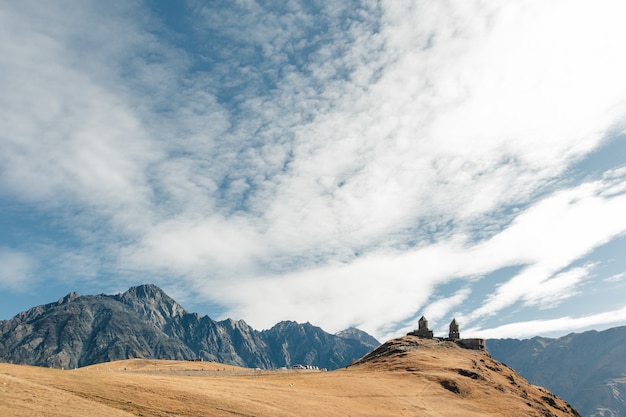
[(235, 324), (152, 303), (353, 333), (146, 292), (68, 298)]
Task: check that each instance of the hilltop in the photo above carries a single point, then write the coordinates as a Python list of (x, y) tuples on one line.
[(407, 376)]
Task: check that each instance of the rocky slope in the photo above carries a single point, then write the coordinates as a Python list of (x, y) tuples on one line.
[(144, 322), (587, 369)]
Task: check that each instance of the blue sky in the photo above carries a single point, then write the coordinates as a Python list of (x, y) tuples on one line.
[(353, 163)]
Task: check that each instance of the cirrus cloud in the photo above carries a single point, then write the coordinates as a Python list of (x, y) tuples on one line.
[(341, 164)]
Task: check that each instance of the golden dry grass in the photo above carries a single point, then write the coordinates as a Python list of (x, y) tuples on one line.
[(408, 377)]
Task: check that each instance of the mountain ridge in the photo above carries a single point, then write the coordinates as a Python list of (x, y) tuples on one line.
[(587, 369), (145, 322)]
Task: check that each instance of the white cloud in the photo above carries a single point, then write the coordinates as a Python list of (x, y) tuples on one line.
[(617, 277), (554, 290), (380, 290), (550, 236), (194, 246), (558, 325), (334, 176), (69, 139), (439, 310), (16, 270), (408, 151)]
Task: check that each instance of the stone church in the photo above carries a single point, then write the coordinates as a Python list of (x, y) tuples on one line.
[(454, 335)]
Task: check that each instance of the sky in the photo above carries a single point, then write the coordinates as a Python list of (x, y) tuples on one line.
[(353, 163)]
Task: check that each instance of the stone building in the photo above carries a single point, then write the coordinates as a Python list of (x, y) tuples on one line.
[(474, 344), (453, 336), (423, 330), (454, 330)]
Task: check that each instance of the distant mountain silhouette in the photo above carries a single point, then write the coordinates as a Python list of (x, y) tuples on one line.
[(360, 336), (144, 322), (586, 369)]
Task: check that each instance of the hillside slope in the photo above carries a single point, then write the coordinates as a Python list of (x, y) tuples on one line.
[(469, 374), (144, 322), (587, 369), (404, 377)]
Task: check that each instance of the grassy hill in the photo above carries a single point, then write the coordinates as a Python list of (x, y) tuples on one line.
[(406, 376)]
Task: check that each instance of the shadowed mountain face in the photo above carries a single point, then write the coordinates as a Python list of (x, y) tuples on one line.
[(144, 322), (290, 342), (587, 369)]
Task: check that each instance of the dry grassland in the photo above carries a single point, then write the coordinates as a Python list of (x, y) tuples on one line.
[(406, 377)]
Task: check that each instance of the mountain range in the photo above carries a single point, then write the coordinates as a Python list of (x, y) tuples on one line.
[(586, 369), (407, 376), (144, 322)]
